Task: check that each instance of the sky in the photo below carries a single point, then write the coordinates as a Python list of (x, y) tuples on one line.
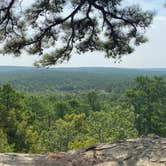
[(149, 55)]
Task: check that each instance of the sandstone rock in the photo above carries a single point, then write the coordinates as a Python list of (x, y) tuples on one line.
[(148, 151)]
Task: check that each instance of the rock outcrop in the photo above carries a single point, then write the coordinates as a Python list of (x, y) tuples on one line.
[(148, 151)]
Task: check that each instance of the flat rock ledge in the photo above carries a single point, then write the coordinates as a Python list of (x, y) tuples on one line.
[(145, 151)]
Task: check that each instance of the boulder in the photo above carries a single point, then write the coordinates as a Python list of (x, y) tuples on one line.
[(144, 151)]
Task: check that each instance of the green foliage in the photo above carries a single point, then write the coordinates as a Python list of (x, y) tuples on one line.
[(78, 29), (34, 123), (62, 108), (148, 98), (99, 126), (14, 117), (4, 145), (73, 80), (58, 136), (82, 142), (123, 123), (104, 126), (93, 101)]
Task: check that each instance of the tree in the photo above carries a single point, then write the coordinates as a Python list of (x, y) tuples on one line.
[(148, 97), (93, 101), (4, 146), (88, 25), (11, 105), (104, 126), (58, 136), (62, 108), (14, 117)]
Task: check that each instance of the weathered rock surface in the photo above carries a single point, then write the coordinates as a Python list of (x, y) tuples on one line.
[(149, 151)]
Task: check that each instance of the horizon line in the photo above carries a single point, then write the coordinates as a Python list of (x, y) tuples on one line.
[(51, 67)]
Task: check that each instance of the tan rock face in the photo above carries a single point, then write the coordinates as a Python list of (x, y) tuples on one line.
[(150, 151), (13, 159), (110, 163)]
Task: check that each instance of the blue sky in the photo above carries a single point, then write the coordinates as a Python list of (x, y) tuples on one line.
[(151, 54)]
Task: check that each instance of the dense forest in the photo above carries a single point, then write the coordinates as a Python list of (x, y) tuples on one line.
[(42, 80), (49, 110)]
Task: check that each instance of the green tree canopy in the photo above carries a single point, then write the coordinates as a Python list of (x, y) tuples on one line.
[(4, 146), (14, 117), (93, 101), (71, 26), (104, 126), (148, 97)]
